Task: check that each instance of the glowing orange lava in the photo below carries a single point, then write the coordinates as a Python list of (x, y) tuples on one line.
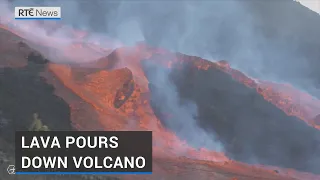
[(100, 88)]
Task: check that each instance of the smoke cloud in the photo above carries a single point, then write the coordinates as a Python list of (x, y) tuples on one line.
[(59, 36), (266, 40), (241, 32), (125, 26), (182, 114)]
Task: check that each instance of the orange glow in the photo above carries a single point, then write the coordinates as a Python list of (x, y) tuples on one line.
[(99, 89)]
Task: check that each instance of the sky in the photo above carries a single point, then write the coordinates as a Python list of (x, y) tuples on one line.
[(311, 4)]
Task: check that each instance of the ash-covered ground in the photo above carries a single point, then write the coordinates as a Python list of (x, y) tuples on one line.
[(251, 129), (280, 43)]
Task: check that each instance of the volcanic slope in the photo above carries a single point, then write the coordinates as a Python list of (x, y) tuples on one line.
[(252, 129), (120, 99), (24, 91)]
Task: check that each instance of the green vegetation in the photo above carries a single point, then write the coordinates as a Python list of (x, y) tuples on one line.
[(37, 124)]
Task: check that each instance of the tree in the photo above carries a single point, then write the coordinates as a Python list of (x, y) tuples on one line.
[(37, 124)]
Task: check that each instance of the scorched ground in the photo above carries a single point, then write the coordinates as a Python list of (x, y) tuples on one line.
[(119, 92)]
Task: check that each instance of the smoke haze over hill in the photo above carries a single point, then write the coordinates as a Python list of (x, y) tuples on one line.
[(273, 40), (269, 40)]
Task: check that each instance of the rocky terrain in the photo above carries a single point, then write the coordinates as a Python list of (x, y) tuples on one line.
[(109, 98), (192, 105)]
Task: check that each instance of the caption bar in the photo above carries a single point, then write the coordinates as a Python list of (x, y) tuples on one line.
[(97, 152)]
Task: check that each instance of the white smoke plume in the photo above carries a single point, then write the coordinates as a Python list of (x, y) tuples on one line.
[(314, 5), (269, 40), (59, 36), (124, 25)]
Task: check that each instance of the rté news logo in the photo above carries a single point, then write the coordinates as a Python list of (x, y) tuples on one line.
[(37, 13)]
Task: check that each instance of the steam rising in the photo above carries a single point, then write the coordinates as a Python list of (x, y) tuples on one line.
[(183, 114), (258, 38), (59, 36), (250, 35), (124, 24)]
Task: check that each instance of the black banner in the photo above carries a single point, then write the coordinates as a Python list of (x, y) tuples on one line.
[(83, 151)]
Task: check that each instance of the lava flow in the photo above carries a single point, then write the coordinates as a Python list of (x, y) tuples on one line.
[(120, 88)]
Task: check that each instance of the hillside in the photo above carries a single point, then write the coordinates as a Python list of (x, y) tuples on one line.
[(271, 40), (88, 110), (209, 120)]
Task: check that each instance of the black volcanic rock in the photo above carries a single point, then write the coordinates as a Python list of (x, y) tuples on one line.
[(251, 129), (37, 58), (123, 94), (24, 92)]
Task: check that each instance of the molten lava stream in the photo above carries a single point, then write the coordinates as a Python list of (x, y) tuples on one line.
[(167, 140), (290, 100), (284, 97), (167, 144)]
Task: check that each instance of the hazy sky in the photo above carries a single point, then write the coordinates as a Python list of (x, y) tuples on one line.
[(311, 4)]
